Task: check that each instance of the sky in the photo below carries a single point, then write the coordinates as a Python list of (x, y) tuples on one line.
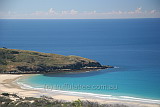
[(79, 9)]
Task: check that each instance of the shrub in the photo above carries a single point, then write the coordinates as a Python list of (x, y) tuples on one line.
[(5, 94)]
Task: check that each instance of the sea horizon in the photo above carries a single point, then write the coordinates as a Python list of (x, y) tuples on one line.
[(80, 19)]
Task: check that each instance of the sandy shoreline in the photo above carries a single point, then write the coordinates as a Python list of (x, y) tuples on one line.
[(7, 85)]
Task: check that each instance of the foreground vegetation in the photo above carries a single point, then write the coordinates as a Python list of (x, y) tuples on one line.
[(12, 100), (22, 61)]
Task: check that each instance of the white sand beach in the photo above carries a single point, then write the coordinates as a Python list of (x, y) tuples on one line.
[(7, 85)]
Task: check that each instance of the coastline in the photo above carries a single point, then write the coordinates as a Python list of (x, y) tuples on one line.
[(8, 84)]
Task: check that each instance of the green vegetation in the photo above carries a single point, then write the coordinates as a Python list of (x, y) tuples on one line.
[(22, 61), (5, 94), (7, 101)]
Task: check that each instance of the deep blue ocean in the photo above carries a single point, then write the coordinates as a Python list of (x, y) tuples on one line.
[(132, 45)]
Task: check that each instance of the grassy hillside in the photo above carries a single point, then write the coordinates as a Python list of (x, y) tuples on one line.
[(22, 61)]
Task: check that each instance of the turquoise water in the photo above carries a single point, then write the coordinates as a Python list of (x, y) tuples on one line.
[(132, 45)]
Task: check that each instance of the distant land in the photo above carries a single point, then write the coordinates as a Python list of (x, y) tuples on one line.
[(24, 61)]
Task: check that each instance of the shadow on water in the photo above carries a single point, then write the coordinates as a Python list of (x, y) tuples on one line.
[(81, 74)]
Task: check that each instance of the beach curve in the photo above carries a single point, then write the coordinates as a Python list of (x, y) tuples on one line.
[(8, 84)]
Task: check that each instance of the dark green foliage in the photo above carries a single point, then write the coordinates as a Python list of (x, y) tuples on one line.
[(24, 104), (14, 95), (77, 103), (5, 94), (4, 102), (21, 61)]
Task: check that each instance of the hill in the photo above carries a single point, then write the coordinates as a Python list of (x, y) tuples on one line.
[(23, 61)]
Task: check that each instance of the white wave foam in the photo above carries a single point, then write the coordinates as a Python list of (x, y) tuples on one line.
[(100, 96), (141, 99), (25, 86), (116, 67)]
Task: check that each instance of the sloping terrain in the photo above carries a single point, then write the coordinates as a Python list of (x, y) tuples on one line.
[(23, 61)]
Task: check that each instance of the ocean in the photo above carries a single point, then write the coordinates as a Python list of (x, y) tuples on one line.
[(132, 46)]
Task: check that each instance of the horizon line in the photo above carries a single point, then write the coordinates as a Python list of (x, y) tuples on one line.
[(75, 18)]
